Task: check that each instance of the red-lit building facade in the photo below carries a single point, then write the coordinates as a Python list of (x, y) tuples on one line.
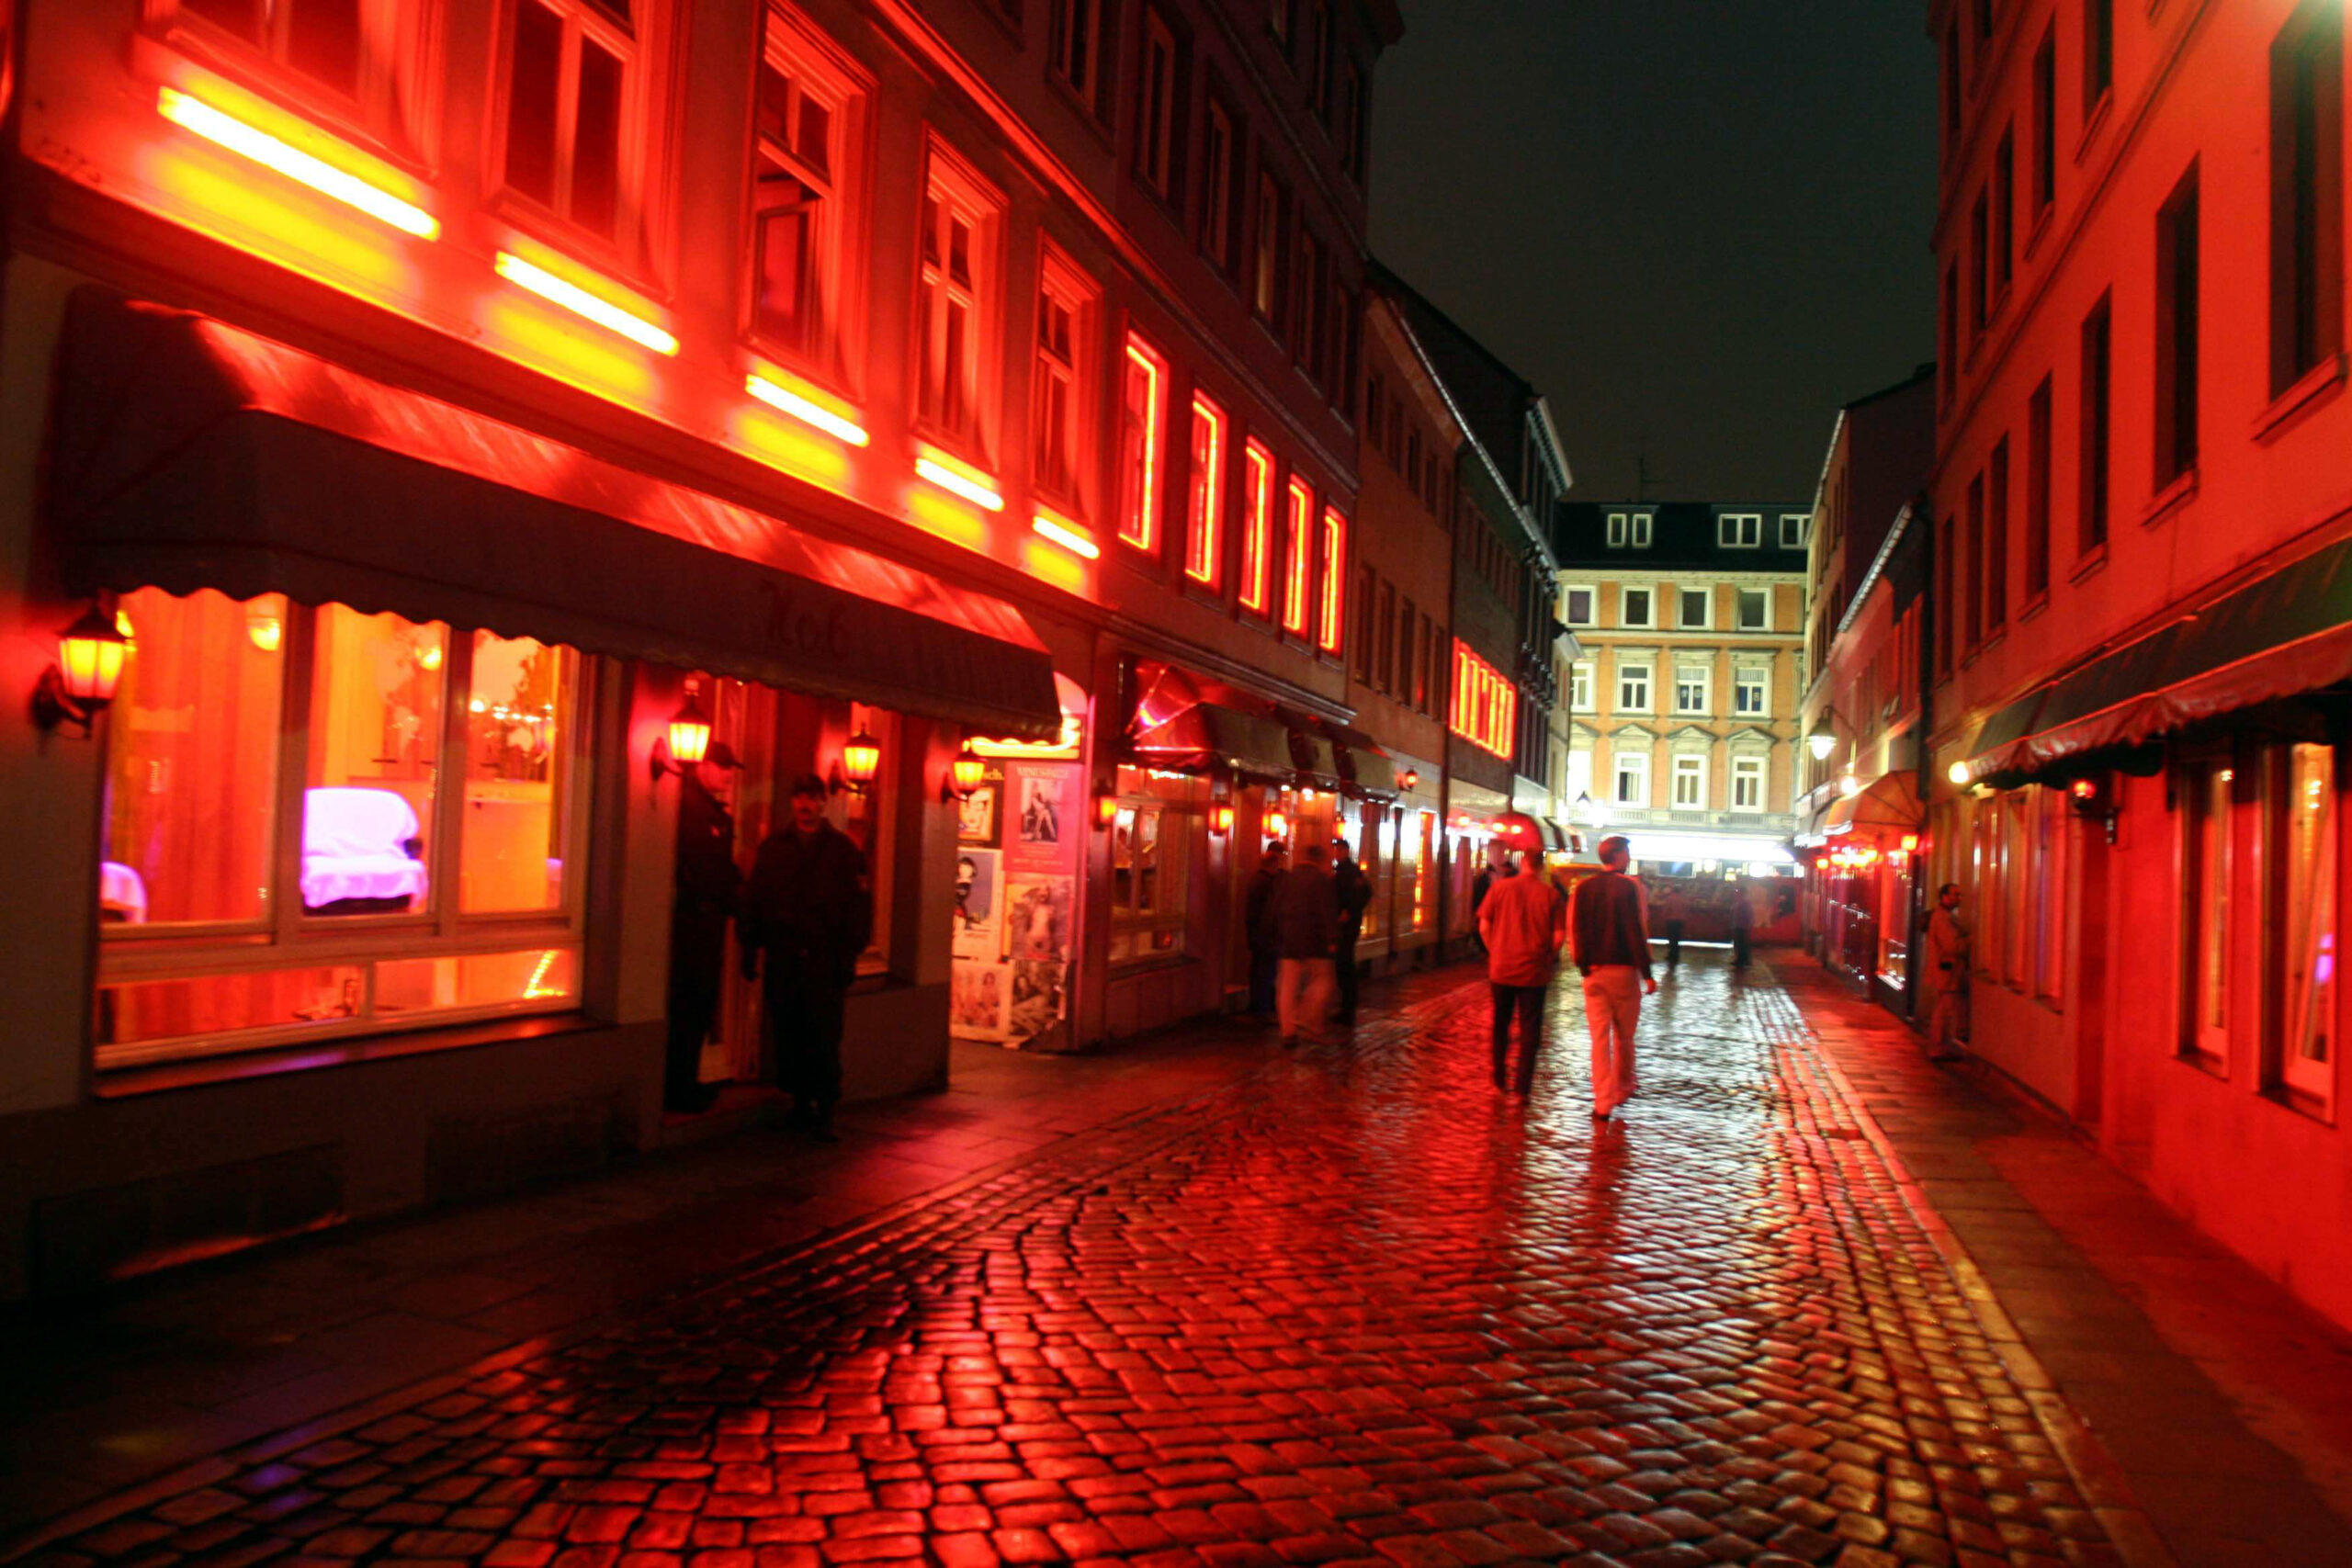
[(441, 399), (2138, 648)]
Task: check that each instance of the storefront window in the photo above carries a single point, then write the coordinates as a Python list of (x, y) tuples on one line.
[(1151, 842), (867, 819), (2206, 862), (2305, 962), (2016, 876), (2049, 893), (200, 756), (1422, 845)]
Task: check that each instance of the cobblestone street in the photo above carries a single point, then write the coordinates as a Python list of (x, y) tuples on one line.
[(1349, 1308)]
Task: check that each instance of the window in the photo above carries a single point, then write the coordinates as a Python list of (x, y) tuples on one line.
[(1640, 530), (1372, 622), (2177, 332), (1690, 684), (1435, 637), (1689, 784), (1751, 692), (1632, 688), (1266, 243), (1796, 529), (2306, 192), (1971, 550), (1952, 88), (2301, 967), (1580, 686), (433, 782), (1159, 114), (2037, 492), (1579, 605), (1617, 530), (1319, 57), (1348, 124), (1747, 784), (1756, 609), (1204, 500), (1944, 605), (1948, 364), (2005, 211), (1980, 266), (362, 50), (2048, 891), (1634, 607), (1997, 540), (567, 99), (1632, 778), (1143, 437), (1066, 309), (805, 125), (1983, 12), (2045, 124), (1739, 531), (1407, 671), (1152, 833), (2205, 922), (1278, 18), (2098, 422), (1485, 705), (1310, 320), (1691, 608), (2099, 53), (959, 221), (1334, 579), (1220, 189), (1075, 45), (1257, 528), (1298, 555)]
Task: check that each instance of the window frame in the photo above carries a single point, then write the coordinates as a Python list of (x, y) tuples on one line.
[(1143, 446), (959, 190), (1705, 686), (1649, 606), (1299, 536), (1746, 678), (1075, 55), (2178, 328), (1582, 693), (820, 69), (1222, 216), (1622, 763), (1567, 603), (1687, 766), (1331, 616), (1640, 530), (1161, 126), (1740, 530), (1743, 769), (1739, 611), (2306, 194), (389, 108), (1255, 577), (1682, 597), (1204, 485), (1799, 537), (1062, 285), (1628, 675)]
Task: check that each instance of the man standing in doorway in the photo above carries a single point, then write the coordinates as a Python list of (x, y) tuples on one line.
[(1522, 920), (1352, 890), (1948, 959), (1305, 916), (706, 885), (1612, 949), (808, 910), (1257, 924)]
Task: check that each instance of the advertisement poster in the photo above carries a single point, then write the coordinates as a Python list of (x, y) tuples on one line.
[(979, 990), (1042, 807), (1041, 918), (975, 817)]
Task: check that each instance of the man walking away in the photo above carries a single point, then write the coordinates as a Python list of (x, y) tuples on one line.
[(1613, 950), (808, 910), (706, 885), (1522, 920), (1673, 913), (1947, 959), (1743, 925), (1305, 916), (1352, 889), (1257, 920)]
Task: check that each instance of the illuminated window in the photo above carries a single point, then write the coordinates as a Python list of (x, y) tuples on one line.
[(1160, 122), (432, 784), (1298, 555), (959, 222), (1486, 705), (2207, 796), (1257, 528), (568, 106), (363, 51), (1151, 847), (1266, 252), (1065, 309), (1751, 692), (1632, 778), (2300, 937), (1334, 581), (1205, 508), (806, 121), (1075, 56), (1143, 436), (1690, 684)]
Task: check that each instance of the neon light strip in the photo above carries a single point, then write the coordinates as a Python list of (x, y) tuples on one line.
[(580, 302), (780, 397), (1067, 536), (225, 130), (1209, 492), (956, 483), (1335, 557), (1257, 526), (1140, 528), (1300, 542)]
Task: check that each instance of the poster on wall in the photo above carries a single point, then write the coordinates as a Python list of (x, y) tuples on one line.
[(1040, 919), (979, 903), (1042, 808), (975, 817), (1037, 999), (979, 990)]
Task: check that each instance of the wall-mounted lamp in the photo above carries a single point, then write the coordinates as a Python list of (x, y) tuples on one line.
[(1408, 779), (1277, 825), (2091, 797), (1958, 772), (1106, 809), (861, 759), (1848, 785), (90, 656), (1908, 844), (965, 775), (1221, 819), (1821, 740), (687, 742)]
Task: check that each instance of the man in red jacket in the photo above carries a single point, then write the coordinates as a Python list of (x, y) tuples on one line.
[(1612, 948), (1521, 920)]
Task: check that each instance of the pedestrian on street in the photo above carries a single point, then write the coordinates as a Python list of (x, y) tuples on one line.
[(1257, 918), (1947, 962), (1306, 917), (1743, 924), (707, 884), (1352, 889), (1673, 913), (1522, 920), (1494, 868), (808, 911), (1612, 949)]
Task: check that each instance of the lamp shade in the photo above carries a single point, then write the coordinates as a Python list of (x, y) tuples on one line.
[(90, 656), (1220, 820), (1106, 809), (967, 773), (1408, 779), (1277, 825), (861, 759), (1822, 742), (690, 734)]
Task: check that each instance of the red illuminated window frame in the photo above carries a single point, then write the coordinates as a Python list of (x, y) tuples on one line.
[(1062, 392), (807, 180), (1257, 528), (574, 137), (1298, 555), (1143, 436), (1485, 705), (374, 89), (956, 302), (1331, 600), (1204, 511)]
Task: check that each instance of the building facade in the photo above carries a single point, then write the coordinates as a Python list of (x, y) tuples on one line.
[(447, 411), (2139, 651), (1683, 701)]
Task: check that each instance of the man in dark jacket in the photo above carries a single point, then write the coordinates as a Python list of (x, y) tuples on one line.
[(707, 884), (1610, 932), (1305, 916), (1257, 920), (1352, 890), (808, 911)]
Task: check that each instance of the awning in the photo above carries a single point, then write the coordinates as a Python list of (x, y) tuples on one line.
[(189, 453), (1891, 804), (1177, 727), (2281, 635), (1748, 849), (1362, 768)]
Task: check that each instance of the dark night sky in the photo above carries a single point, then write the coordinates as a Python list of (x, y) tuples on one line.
[(1698, 226)]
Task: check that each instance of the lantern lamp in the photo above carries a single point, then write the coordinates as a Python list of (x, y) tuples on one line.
[(1848, 785), (1958, 772), (1221, 819), (686, 742), (1909, 843), (1821, 741), (1408, 779), (1106, 809), (90, 658), (1277, 825), (264, 628), (861, 759), (966, 774)]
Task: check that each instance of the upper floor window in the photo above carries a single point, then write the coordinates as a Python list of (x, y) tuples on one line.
[(1634, 607), (1257, 529), (1747, 784), (1067, 303), (1617, 530), (1348, 125), (1318, 63), (360, 50), (567, 106), (1580, 686), (1221, 190), (2306, 192), (1640, 538), (1796, 529), (1075, 50), (805, 116), (1266, 251), (1333, 582), (2178, 317), (1143, 432), (1690, 684), (1739, 531), (1633, 688), (1691, 608), (1310, 315), (959, 223), (1279, 18), (1756, 609), (1298, 555), (1160, 117), (1204, 511), (2099, 53), (1577, 604), (1751, 692)]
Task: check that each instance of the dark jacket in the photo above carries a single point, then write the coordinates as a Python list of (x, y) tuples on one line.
[(1258, 911), (1608, 923), (806, 901), (1352, 889), (1305, 914)]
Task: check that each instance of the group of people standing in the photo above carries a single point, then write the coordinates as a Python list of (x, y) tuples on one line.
[(1305, 921)]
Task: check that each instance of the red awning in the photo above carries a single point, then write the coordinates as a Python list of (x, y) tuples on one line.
[(1890, 804), (189, 453), (1176, 727)]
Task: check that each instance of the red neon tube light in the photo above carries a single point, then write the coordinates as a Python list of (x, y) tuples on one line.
[(1140, 459), (1207, 491), (1298, 542), (1257, 526), (1335, 563), (227, 130)]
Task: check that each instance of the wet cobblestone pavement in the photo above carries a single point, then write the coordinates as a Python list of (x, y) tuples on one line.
[(1354, 1308)]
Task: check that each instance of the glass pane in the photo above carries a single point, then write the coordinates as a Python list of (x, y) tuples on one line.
[(240, 17), (375, 763), (223, 1004), (2211, 925), (596, 139), (772, 115), (532, 93), (322, 42), (1147, 862), (192, 761), (787, 216), (2311, 910), (1123, 861), (542, 976), (815, 141), (518, 775)]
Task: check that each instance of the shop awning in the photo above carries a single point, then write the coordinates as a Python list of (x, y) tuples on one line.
[(190, 454), (2281, 635), (1364, 769), (1175, 726), (1890, 804)]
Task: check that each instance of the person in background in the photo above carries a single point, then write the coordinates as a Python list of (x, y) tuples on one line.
[(808, 914), (1672, 913), (1947, 959), (1522, 920), (1494, 868), (1306, 918), (1612, 949), (1257, 918), (1743, 925), (706, 885), (1352, 890)]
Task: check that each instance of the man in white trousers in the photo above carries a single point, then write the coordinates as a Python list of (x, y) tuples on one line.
[(1612, 949)]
